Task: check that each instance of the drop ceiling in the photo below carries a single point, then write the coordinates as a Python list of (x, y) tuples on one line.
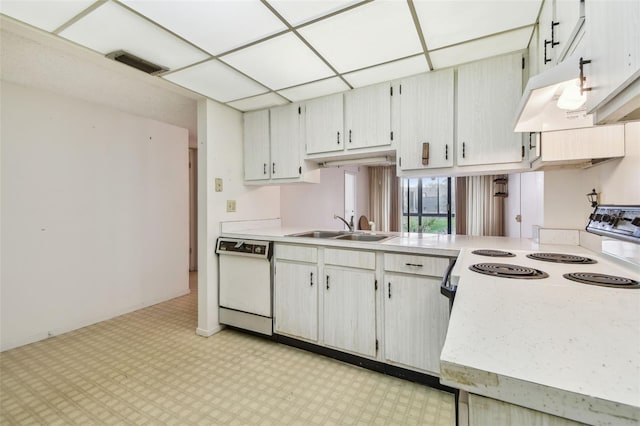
[(252, 54)]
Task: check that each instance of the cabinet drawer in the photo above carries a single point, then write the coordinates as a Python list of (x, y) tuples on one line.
[(352, 258), (419, 265), (296, 253)]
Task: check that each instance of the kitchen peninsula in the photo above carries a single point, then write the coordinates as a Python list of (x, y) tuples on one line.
[(561, 349)]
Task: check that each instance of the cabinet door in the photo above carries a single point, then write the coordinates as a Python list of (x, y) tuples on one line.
[(296, 299), (546, 52), (426, 117), (613, 33), (256, 145), (368, 116), (567, 16), (416, 317), (488, 95), (286, 140), (350, 310), (324, 124)]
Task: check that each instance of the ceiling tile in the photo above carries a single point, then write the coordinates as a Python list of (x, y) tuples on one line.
[(297, 12), (258, 102), (315, 89), (279, 62), (445, 23), (216, 81), (215, 26), (482, 48), (136, 35), (47, 15), (390, 71), (366, 35)]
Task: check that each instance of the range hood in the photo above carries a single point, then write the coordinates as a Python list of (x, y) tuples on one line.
[(538, 110)]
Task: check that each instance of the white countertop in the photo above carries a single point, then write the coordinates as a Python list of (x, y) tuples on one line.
[(428, 244), (552, 345)]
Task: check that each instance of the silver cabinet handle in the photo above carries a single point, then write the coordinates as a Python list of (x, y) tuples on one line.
[(414, 264)]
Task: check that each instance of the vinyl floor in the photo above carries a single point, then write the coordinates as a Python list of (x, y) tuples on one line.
[(149, 367)]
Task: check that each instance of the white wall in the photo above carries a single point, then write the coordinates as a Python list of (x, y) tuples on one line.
[(313, 205), (617, 181), (94, 213), (220, 155)]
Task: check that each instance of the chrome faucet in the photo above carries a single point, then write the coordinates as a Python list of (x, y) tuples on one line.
[(349, 224)]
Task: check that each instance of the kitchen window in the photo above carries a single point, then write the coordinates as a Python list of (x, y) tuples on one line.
[(428, 205)]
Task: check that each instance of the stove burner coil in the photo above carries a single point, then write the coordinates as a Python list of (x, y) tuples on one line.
[(493, 253), (504, 270), (602, 280), (561, 258)]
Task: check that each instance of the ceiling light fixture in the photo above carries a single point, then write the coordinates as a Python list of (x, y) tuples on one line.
[(571, 98)]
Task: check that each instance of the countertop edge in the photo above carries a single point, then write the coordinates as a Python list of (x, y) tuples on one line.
[(547, 399)]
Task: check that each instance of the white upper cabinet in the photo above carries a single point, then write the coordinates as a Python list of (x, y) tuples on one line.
[(256, 145), (367, 116), (286, 139), (324, 124), (426, 121), (488, 95), (612, 32), (568, 14)]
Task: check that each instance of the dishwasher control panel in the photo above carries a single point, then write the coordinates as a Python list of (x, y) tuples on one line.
[(240, 247)]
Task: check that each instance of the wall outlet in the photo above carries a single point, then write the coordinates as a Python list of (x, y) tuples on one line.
[(218, 184), (231, 206)]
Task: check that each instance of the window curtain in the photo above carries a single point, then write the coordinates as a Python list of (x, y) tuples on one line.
[(384, 206), (483, 213)]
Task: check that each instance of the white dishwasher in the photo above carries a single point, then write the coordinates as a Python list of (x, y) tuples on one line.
[(245, 291)]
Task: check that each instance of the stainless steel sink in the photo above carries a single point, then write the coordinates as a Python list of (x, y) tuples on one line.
[(343, 235), (363, 237), (319, 234)]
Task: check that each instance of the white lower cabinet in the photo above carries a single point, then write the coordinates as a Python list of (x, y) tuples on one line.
[(296, 303), (350, 310), (416, 315), (296, 284), (341, 308)]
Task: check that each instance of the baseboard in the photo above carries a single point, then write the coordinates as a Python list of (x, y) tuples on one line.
[(208, 333), (42, 335), (380, 367)]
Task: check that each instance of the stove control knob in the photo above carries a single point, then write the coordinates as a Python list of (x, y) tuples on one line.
[(636, 221), (598, 217), (606, 218), (613, 220), (592, 216)]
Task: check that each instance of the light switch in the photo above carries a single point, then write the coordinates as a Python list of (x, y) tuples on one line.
[(218, 184), (231, 205)]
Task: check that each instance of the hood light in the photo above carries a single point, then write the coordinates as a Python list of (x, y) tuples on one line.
[(571, 98)]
